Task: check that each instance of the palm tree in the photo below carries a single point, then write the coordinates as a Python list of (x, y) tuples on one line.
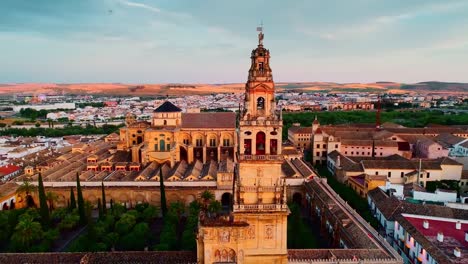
[(26, 232), (214, 207), (51, 198), (207, 197), (27, 189)]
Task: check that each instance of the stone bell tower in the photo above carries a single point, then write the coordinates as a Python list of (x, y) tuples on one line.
[(260, 191), (256, 229)]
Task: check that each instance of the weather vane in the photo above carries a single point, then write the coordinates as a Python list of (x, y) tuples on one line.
[(260, 35)]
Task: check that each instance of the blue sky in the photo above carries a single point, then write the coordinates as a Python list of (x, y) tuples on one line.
[(195, 41)]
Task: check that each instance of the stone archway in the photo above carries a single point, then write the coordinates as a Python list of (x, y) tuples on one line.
[(183, 154), (297, 198), (140, 198), (226, 255), (226, 201), (260, 143)]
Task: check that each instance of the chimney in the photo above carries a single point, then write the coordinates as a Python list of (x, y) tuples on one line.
[(426, 224), (440, 237), (457, 252), (458, 225)]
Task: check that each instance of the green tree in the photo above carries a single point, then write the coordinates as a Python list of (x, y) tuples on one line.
[(101, 213), (207, 197), (51, 199), (37, 124), (177, 209), (81, 204), (26, 189), (104, 203), (111, 239), (125, 224), (150, 213), (194, 208), (27, 231), (214, 207), (70, 221), (163, 192), (118, 210), (44, 208), (72, 199)]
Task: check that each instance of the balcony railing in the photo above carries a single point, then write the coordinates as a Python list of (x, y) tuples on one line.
[(260, 189), (260, 207), (260, 157), (261, 122)]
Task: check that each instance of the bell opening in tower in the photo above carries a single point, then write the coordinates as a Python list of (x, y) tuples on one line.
[(273, 146), (261, 103), (260, 147), (248, 146)]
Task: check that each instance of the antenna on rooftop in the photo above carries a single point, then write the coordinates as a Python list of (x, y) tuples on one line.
[(377, 117)]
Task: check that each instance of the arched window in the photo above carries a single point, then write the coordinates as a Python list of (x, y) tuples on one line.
[(162, 145), (260, 143), (165, 122), (261, 103)]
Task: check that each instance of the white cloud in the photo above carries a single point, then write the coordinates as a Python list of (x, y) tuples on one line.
[(381, 23), (141, 5)]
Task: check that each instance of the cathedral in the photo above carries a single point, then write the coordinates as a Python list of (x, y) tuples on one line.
[(173, 136), (256, 230)]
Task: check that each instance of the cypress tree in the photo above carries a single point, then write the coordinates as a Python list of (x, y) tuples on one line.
[(72, 199), (163, 193), (44, 209), (101, 213), (81, 205), (104, 203)]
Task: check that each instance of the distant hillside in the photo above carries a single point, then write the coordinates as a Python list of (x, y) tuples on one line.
[(436, 86), (183, 89)]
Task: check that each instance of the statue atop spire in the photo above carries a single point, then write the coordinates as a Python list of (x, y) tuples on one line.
[(260, 34)]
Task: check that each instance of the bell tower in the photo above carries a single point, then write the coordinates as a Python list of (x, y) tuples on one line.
[(260, 89), (261, 123), (257, 228), (260, 190)]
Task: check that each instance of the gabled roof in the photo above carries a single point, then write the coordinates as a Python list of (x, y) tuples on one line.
[(209, 120), (167, 107), (448, 139)]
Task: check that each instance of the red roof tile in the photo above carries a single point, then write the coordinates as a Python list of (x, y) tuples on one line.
[(5, 170), (209, 120)]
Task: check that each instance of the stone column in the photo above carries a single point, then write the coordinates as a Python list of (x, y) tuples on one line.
[(204, 154)]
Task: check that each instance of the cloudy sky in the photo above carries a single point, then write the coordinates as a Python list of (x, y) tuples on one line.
[(209, 41)]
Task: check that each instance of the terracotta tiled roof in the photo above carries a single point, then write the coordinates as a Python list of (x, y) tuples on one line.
[(448, 139), (387, 164), (7, 169), (301, 130), (287, 169), (442, 252), (129, 257), (464, 175), (209, 120), (390, 207), (8, 188)]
